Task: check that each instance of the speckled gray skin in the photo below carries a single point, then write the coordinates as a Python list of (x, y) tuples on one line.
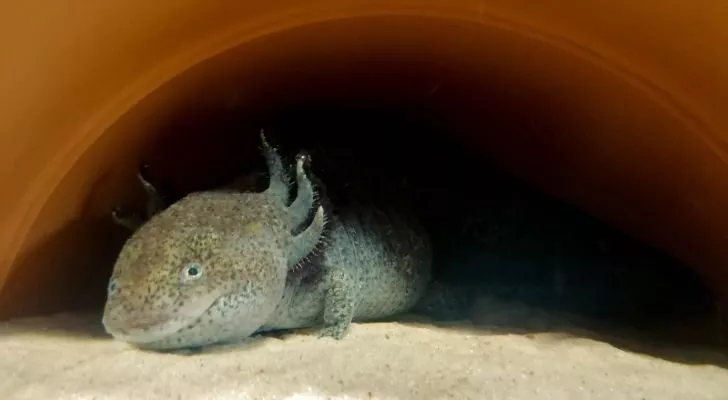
[(375, 264), (211, 267)]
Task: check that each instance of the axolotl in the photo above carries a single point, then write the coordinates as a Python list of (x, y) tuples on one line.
[(221, 265)]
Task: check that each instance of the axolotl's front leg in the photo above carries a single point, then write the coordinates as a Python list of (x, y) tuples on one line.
[(342, 295), (376, 264)]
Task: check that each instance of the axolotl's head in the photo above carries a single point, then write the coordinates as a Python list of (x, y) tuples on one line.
[(210, 268)]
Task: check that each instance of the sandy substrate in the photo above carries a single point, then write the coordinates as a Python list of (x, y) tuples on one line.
[(69, 357)]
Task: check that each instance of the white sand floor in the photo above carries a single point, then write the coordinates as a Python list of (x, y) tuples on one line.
[(68, 356)]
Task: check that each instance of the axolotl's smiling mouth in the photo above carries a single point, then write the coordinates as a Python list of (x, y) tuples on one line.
[(138, 329)]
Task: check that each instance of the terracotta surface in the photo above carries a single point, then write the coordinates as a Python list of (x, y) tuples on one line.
[(629, 98)]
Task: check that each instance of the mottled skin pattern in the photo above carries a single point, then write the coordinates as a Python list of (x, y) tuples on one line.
[(374, 264), (211, 267)]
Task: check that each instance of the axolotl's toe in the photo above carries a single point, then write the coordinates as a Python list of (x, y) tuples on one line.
[(337, 332)]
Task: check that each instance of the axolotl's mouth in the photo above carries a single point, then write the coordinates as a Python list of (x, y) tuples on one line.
[(140, 329)]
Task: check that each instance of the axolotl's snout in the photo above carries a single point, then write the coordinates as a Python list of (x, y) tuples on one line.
[(141, 315)]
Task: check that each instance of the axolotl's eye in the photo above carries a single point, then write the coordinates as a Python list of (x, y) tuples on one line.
[(111, 289), (191, 271)]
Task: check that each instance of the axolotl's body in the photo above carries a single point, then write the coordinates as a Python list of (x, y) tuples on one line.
[(375, 264), (220, 266)]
